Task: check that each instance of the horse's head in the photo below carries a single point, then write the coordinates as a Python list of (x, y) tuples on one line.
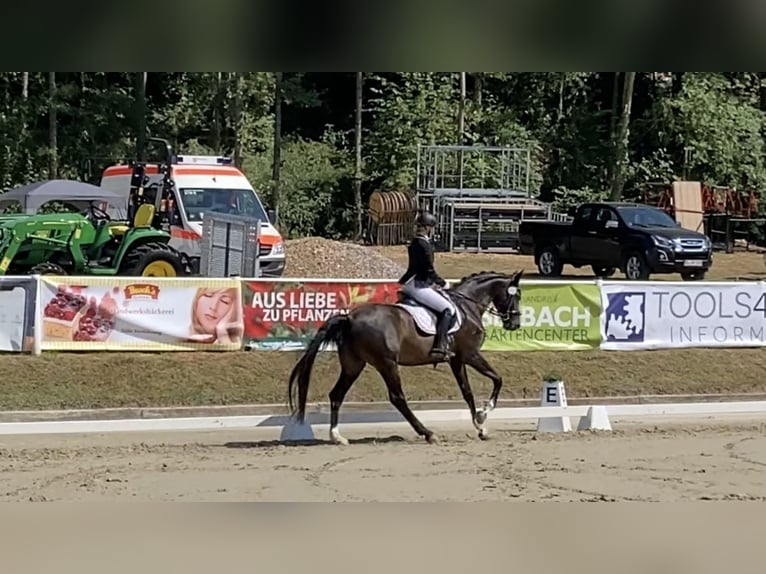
[(500, 289), (507, 300)]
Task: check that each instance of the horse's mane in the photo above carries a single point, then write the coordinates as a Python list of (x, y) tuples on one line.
[(479, 276)]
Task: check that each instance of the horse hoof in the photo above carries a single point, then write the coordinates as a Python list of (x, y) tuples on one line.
[(337, 438), (483, 434), (432, 439), (481, 417)]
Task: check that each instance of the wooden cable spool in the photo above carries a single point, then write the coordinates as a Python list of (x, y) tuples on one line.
[(376, 206), (392, 214)]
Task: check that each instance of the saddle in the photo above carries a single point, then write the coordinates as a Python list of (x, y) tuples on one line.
[(425, 318)]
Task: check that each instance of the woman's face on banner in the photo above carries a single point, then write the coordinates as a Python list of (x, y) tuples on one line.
[(212, 306)]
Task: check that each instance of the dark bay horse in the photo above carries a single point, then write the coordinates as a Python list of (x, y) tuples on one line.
[(386, 336)]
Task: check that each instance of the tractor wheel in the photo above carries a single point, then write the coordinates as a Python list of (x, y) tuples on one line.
[(47, 269), (152, 260)]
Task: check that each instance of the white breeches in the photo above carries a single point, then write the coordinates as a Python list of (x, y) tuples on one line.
[(427, 297)]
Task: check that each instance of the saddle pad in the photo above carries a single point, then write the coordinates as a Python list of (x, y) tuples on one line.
[(425, 319)]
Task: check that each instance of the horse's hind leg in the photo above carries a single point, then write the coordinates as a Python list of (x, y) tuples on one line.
[(389, 370), (351, 367)]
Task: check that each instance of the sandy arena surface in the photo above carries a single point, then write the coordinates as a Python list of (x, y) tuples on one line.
[(666, 460)]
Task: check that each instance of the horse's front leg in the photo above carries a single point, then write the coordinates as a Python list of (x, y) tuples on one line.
[(480, 364), (461, 376)]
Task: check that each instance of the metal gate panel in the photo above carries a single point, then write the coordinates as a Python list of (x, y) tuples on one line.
[(230, 246)]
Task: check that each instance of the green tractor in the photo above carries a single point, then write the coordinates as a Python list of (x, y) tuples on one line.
[(91, 243), (76, 244)]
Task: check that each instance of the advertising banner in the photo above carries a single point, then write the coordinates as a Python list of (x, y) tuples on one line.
[(669, 316), (554, 317), (140, 314), (17, 313), (282, 315)]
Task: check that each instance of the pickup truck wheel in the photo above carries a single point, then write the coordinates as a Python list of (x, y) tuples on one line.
[(548, 263), (603, 271), (635, 267)]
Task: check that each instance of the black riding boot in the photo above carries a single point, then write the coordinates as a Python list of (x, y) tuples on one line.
[(439, 350)]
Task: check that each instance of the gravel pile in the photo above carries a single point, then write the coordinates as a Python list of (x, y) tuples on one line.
[(323, 258)]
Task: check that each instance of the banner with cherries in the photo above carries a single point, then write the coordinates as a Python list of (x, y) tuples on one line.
[(140, 314)]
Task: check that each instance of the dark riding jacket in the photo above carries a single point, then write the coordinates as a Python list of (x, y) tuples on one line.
[(421, 264)]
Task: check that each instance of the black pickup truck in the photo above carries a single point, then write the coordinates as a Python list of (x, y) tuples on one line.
[(637, 239)]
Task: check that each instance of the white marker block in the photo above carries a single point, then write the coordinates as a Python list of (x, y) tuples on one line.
[(596, 419), (295, 431), (553, 395)]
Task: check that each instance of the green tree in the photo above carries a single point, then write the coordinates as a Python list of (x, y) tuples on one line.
[(722, 128), (407, 109)]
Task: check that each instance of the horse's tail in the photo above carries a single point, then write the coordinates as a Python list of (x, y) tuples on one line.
[(333, 331)]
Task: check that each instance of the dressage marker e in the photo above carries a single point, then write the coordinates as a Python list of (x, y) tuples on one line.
[(387, 336)]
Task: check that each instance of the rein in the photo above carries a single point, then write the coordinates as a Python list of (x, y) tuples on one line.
[(490, 309)]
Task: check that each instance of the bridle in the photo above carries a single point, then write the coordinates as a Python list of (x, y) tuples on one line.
[(509, 313)]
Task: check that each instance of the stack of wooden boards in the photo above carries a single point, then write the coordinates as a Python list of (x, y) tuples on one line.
[(687, 204)]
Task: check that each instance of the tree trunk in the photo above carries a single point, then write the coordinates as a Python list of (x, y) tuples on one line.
[(358, 154), (613, 122), (478, 88), (218, 113), (237, 119), (615, 107), (21, 140), (140, 117), (461, 111), (275, 168), (762, 91), (621, 150), (53, 168), (461, 125), (562, 80)]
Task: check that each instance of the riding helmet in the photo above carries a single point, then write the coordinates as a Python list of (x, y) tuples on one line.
[(426, 218)]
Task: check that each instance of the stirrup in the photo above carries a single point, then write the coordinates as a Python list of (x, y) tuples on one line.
[(440, 354)]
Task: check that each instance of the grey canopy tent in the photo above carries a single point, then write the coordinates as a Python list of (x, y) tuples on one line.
[(77, 193)]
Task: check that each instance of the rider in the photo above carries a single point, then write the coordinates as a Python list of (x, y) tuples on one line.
[(420, 277)]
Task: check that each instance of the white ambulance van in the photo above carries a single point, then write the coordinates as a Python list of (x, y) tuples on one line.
[(202, 184)]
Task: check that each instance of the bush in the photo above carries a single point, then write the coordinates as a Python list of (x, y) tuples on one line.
[(312, 176), (565, 199)]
